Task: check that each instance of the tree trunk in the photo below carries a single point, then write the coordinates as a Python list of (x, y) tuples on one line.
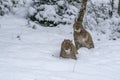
[(112, 6), (119, 8), (82, 11)]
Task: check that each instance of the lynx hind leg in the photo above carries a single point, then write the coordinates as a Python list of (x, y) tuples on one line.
[(89, 45)]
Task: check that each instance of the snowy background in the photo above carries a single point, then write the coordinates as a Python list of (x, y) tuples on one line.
[(30, 50)]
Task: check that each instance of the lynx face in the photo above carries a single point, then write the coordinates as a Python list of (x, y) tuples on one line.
[(77, 30), (67, 45), (68, 50), (77, 27)]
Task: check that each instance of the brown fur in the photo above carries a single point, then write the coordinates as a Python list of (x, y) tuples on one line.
[(68, 45), (82, 38)]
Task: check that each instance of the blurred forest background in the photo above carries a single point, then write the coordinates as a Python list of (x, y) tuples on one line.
[(101, 16)]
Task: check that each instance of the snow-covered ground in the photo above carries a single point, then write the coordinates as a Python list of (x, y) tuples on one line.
[(33, 54)]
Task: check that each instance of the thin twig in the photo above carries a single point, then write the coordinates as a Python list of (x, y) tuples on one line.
[(74, 66)]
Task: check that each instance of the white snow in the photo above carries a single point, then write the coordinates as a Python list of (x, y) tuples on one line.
[(34, 55), (61, 3)]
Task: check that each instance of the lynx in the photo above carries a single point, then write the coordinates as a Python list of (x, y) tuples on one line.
[(68, 50), (82, 38)]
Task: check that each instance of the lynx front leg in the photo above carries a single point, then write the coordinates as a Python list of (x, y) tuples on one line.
[(77, 44), (74, 57), (70, 56)]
